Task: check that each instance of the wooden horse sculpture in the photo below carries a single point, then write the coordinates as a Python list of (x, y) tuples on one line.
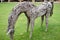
[(31, 12)]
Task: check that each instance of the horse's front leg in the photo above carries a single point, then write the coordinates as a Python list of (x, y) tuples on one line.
[(32, 26), (28, 23)]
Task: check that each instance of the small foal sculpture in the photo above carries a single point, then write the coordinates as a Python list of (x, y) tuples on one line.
[(31, 12)]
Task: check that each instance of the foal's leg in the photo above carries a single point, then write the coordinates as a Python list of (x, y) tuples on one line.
[(42, 19), (32, 26)]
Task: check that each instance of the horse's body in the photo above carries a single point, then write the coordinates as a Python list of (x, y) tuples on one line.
[(31, 12)]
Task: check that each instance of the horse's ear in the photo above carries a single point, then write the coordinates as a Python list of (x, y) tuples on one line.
[(51, 13)]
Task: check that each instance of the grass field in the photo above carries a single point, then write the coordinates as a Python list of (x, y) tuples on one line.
[(20, 27)]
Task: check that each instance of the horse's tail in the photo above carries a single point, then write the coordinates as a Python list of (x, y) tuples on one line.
[(51, 13)]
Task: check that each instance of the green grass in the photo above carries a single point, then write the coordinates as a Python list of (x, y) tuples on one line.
[(20, 27)]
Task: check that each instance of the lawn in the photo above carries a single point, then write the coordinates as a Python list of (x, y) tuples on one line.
[(20, 27)]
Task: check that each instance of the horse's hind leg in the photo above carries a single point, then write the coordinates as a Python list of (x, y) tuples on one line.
[(46, 22), (42, 19)]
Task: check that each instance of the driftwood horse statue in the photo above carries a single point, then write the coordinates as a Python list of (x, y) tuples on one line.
[(31, 12)]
